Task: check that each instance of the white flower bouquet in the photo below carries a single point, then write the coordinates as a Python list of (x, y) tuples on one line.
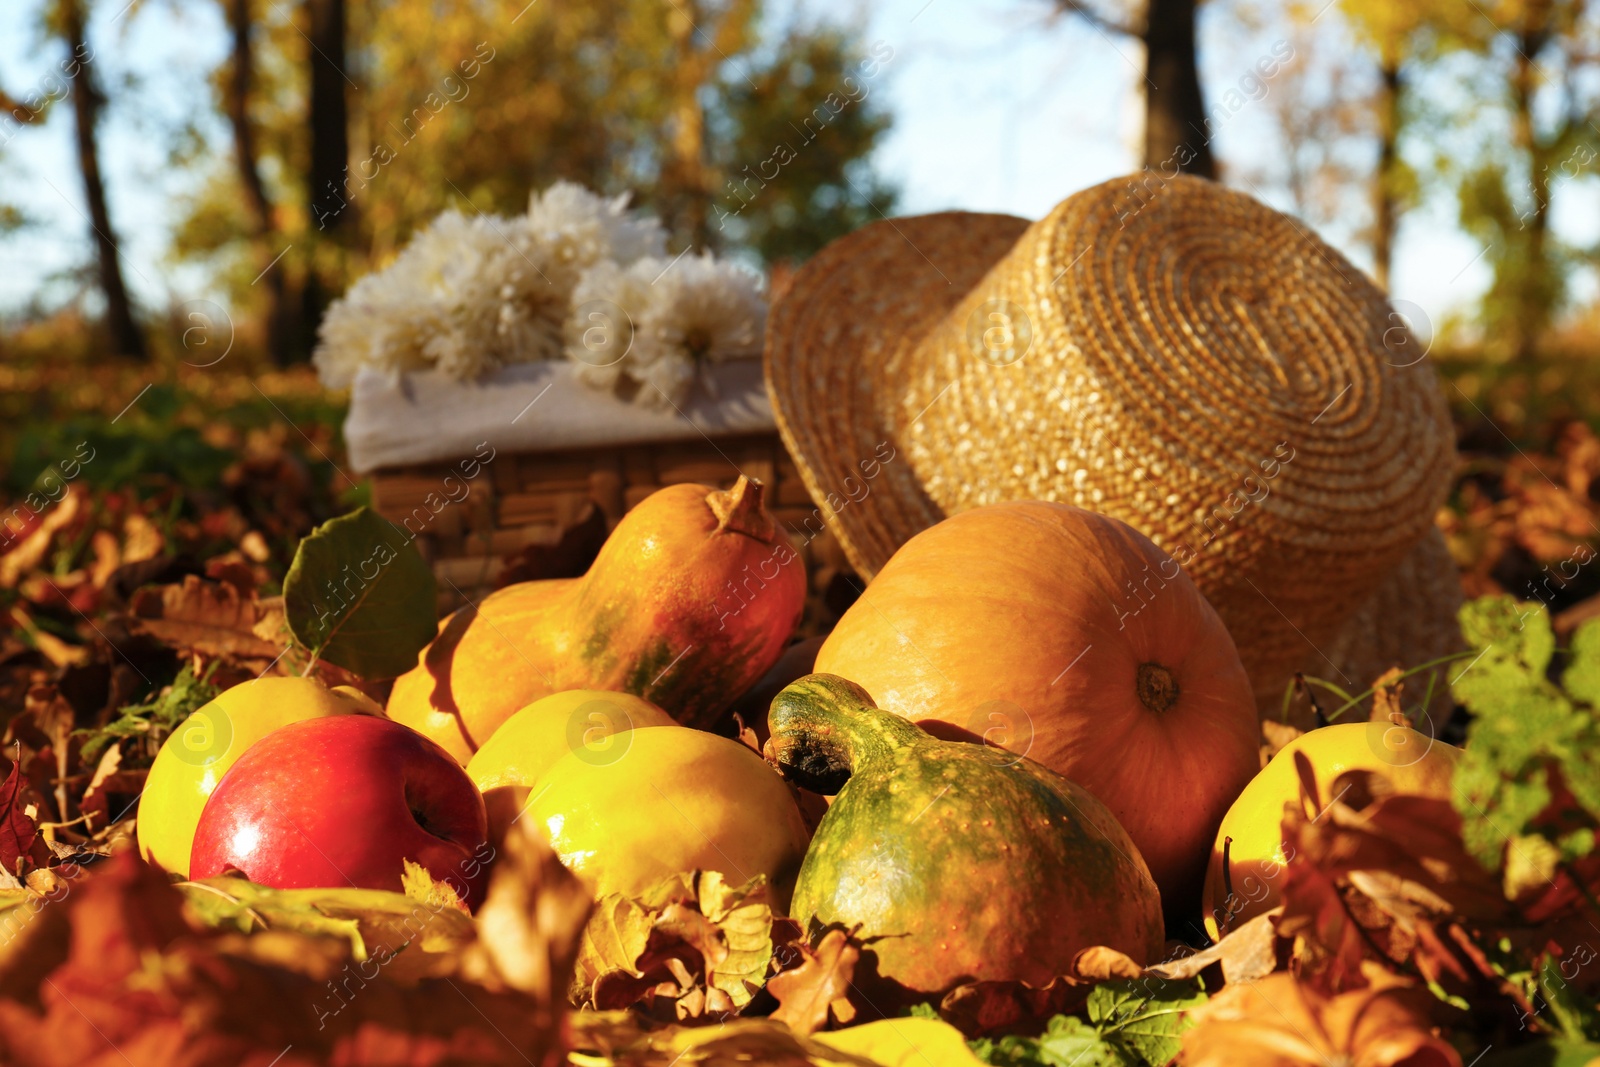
[(578, 277)]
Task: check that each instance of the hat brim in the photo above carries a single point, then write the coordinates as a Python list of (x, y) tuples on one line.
[(837, 342)]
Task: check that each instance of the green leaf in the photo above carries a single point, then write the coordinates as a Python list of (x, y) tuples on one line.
[(1146, 1014), (1513, 628), (1556, 1053), (1515, 645), (155, 720), (1526, 733), (360, 596), (1068, 1042), (1566, 1010), (1582, 677)]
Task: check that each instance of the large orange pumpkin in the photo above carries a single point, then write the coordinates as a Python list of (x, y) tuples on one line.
[(691, 599), (1069, 637)]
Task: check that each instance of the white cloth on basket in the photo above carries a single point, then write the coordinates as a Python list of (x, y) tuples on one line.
[(424, 416)]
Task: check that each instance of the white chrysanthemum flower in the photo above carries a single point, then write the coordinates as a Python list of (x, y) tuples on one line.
[(393, 318), (578, 275), (602, 329), (582, 228), (466, 295), (685, 315)]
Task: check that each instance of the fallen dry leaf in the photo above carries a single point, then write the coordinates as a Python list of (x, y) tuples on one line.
[(18, 831), (1386, 694), (1098, 963), (27, 555), (1275, 736), (982, 1009), (533, 917), (693, 947), (137, 983), (211, 618), (817, 991), (141, 539), (1248, 952), (1279, 1021)]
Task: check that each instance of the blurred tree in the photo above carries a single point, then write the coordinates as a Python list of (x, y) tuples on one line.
[(793, 167), (1542, 57), (1177, 135), (69, 19), (16, 113), (1400, 35), (328, 119), (1318, 103), (740, 134), (237, 81)]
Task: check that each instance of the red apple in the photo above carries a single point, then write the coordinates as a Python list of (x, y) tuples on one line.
[(344, 801)]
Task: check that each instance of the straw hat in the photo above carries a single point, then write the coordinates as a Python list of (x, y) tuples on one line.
[(1409, 620), (1166, 351)]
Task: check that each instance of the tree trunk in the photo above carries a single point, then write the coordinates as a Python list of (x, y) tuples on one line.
[(328, 116), (1532, 286), (1385, 209), (86, 101), (1175, 133), (241, 79), (691, 184)]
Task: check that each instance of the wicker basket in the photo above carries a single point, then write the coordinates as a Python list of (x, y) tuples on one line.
[(526, 499)]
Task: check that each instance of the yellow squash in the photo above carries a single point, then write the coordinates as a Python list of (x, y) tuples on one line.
[(670, 799)]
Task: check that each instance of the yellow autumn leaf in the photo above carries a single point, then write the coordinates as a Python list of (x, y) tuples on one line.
[(903, 1043)]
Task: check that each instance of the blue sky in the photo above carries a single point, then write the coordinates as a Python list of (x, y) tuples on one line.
[(998, 108)]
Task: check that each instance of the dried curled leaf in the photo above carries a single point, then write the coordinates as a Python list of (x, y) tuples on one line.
[(1394, 882), (139, 982), (980, 1009), (693, 942), (1282, 1022), (532, 920), (1248, 952), (817, 992), (17, 830), (211, 618)]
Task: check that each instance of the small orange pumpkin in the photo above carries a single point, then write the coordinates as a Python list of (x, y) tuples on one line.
[(691, 599), (1068, 637)]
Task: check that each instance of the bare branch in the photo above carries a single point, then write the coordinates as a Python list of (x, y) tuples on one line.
[(1094, 18)]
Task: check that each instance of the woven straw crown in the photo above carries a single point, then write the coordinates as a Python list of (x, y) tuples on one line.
[(1171, 353)]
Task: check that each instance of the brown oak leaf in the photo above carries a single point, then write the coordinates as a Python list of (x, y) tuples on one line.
[(817, 991), (1279, 1021), (211, 618), (137, 983), (694, 947)]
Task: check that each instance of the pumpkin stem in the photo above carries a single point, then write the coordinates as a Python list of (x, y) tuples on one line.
[(740, 510), (825, 727), (1158, 689), (1227, 887)]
